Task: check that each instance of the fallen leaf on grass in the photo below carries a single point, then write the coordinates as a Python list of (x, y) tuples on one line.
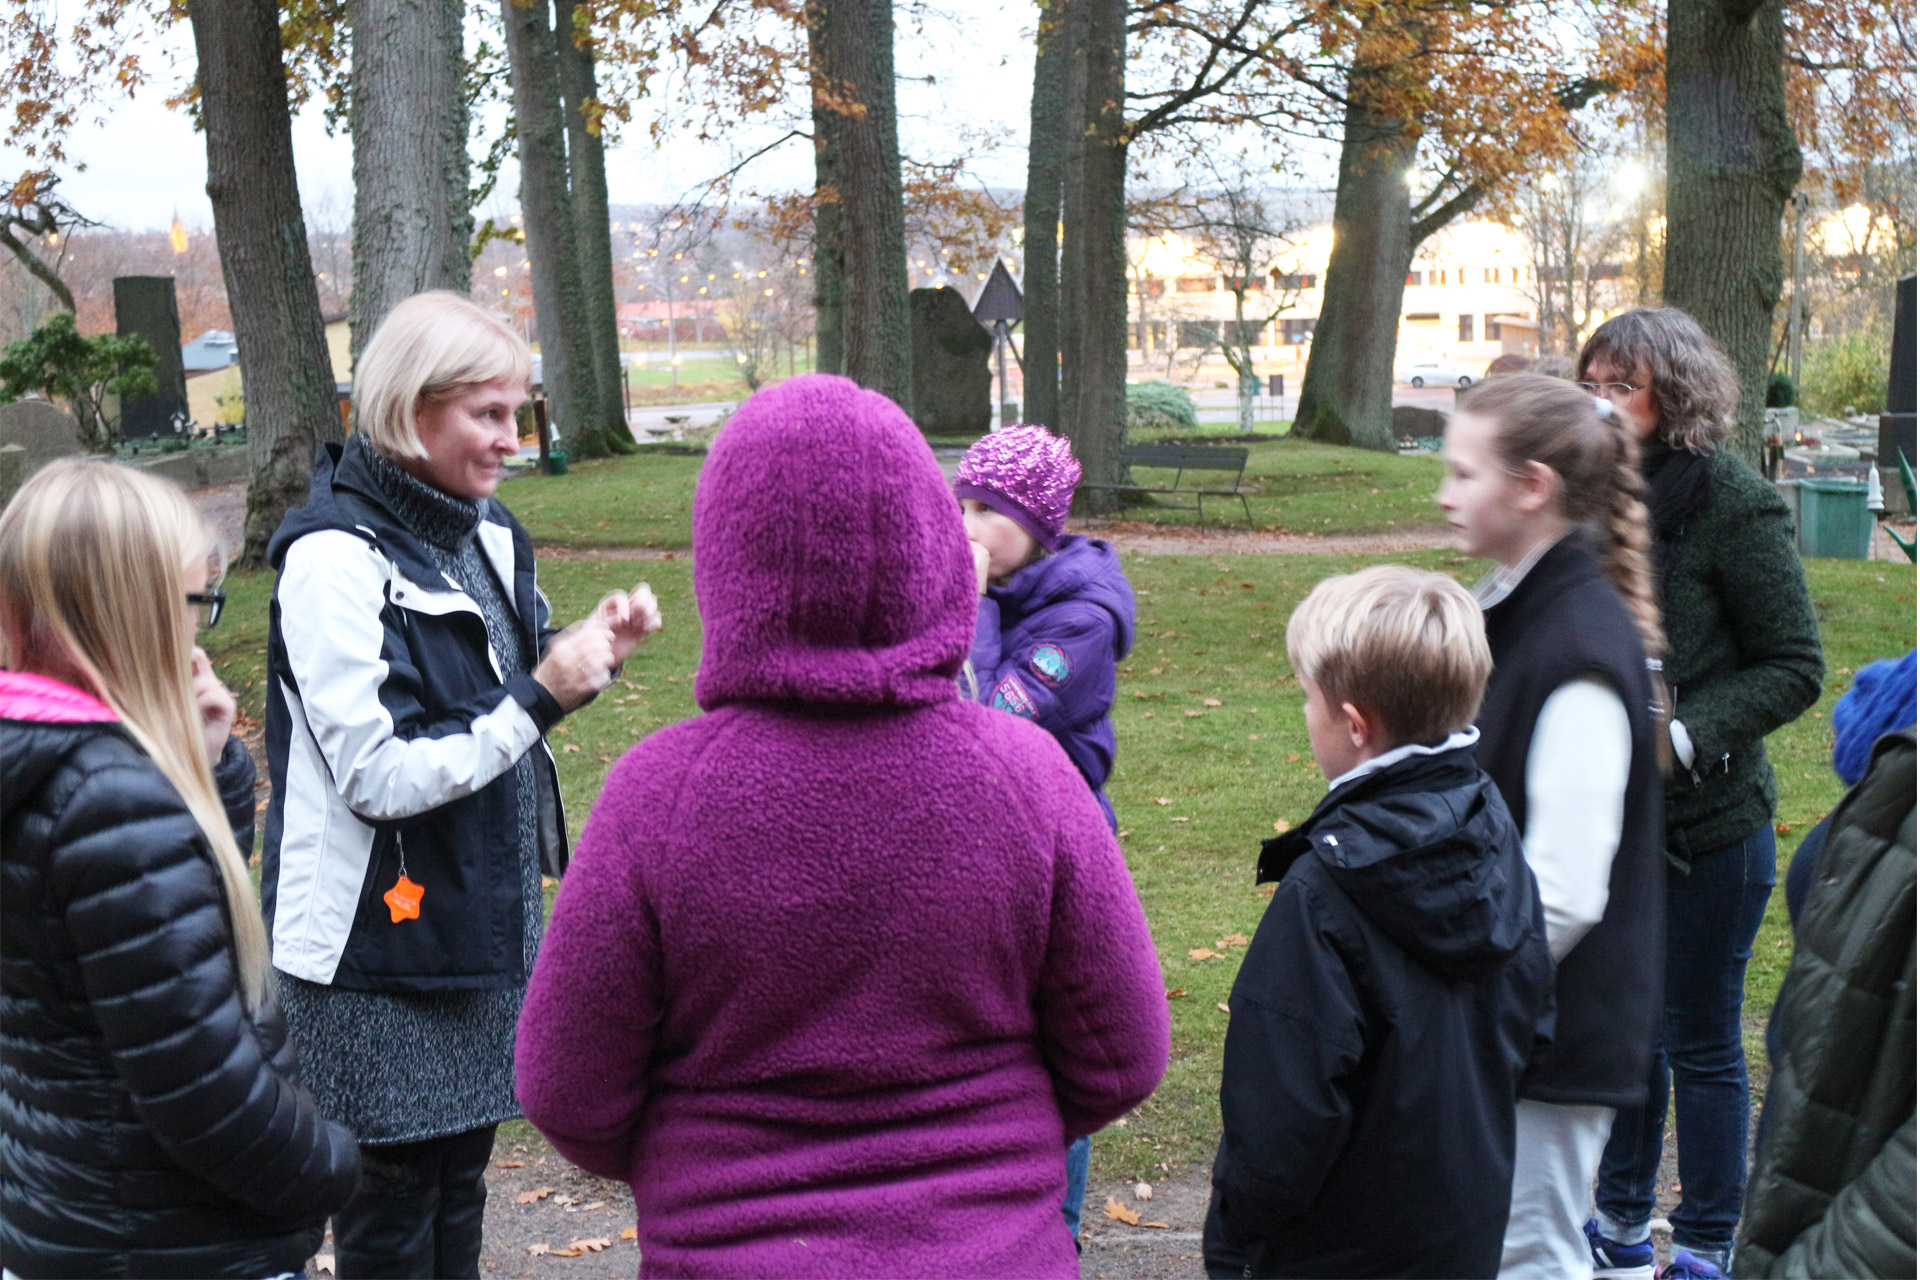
[(1146, 715), (1123, 833), (1253, 737), (540, 1250), (1282, 825), (1204, 953), (1179, 819), (1176, 993), (571, 746), (323, 1263), (1161, 800), (631, 1233), (1266, 890), (1210, 702), (511, 1164), (1192, 714), (1232, 940), (1294, 758), (528, 1197), (1221, 1005), (1120, 1213)]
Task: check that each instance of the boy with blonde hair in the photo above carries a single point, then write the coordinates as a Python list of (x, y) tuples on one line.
[(1394, 992)]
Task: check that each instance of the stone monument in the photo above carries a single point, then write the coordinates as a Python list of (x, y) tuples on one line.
[(952, 385), (145, 306), (41, 431)]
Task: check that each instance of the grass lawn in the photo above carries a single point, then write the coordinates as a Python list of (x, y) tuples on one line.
[(1212, 748)]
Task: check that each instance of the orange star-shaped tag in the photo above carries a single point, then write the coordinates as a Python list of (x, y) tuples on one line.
[(403, 900)]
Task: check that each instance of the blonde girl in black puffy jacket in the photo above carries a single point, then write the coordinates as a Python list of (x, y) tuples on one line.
[(150, 1122)]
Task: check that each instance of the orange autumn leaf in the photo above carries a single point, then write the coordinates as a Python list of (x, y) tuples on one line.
[(540, 1250), (1204, 953), (1232, 940), (511, 1164), (1210, 702), (1120, 1213), (631, 1233), (528, 1197), (1176, 993)]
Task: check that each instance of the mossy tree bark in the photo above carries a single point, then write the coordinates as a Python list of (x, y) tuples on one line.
[(853, 70), (1048, 133), (412, 218), (1093, 260), (1732, 165), (291, 403), (552, 233), (587, 171)]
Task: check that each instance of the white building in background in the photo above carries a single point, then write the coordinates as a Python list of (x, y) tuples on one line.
[(1468, 299)]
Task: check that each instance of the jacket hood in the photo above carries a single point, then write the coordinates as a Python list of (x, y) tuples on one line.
[(46, 719), (1426, 850), (830, 561), (1083, 569)]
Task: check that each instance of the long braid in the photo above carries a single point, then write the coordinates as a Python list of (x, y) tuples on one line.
[(1629, 567), (1593, 452)]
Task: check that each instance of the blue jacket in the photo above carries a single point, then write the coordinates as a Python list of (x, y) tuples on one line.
[(1045, 646), (1381, 1024)]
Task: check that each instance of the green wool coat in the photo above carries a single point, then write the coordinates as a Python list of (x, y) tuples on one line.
[(1833, 1180), (1743, 657)]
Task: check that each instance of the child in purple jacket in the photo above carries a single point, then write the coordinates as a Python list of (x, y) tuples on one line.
[(1056, 617), (1056, 610)]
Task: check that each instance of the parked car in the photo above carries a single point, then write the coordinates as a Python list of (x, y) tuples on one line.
[(1422, 373)]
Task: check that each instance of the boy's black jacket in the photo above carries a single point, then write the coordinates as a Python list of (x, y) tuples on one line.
[(1381, 1022)]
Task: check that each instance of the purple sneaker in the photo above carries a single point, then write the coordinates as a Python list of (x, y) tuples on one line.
[(1687, 1265), (1615, 1261)]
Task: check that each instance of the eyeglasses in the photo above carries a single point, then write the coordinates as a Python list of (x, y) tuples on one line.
[(1609, 388), (210, 604)]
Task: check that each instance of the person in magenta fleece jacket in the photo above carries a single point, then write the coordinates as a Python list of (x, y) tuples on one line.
[(841, 965)]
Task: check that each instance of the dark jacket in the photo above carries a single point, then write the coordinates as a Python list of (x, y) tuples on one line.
[(1743, 657), (1832, 1187), (1046, 644), (392, 736), (148, 1126), (1565, 622), (1381, 1022)]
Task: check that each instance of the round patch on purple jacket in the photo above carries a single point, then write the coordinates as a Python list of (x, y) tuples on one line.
[(1049, 662)]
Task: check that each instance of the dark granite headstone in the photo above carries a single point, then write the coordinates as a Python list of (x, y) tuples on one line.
[(952, 384), (1411, 422), (145, 305)]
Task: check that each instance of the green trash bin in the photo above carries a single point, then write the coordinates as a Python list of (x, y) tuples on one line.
[(1834, 520), (557, 466)]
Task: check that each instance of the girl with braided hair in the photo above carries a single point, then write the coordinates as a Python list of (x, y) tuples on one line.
[(1541, 479), (1743, 659)]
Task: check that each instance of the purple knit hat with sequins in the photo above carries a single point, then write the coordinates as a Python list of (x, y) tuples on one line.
[(1025, 474)]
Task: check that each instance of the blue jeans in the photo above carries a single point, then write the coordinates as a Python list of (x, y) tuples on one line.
[(1076, 1185), (1713, 915)]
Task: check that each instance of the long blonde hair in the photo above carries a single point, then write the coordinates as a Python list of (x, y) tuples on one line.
[(92, 591), (1555, 423)]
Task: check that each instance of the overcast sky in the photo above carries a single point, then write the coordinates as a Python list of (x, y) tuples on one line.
[(145, 162)]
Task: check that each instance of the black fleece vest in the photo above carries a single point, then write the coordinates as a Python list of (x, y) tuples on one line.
[(1566, 622)]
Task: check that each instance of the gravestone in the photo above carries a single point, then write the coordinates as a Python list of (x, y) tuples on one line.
[(1411, 422), (41, 431), (145, 306), (952, 385)]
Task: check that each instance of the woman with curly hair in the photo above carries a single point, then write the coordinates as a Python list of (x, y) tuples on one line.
[(1743, 659)]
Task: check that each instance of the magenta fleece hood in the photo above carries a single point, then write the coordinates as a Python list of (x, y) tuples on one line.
[(831, 563)]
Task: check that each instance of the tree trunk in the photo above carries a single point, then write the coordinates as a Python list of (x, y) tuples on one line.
[(587, 165), (547, 219), (1093, 261), (1047, 137), (291, 404), (829, 219), (412, 223), (1346, 395), (853, 65), (1732, 164)]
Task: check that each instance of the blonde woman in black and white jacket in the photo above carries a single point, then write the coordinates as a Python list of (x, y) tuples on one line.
[(413, 678)]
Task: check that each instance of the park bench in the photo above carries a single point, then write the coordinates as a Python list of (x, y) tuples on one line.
[(1182, 459)]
